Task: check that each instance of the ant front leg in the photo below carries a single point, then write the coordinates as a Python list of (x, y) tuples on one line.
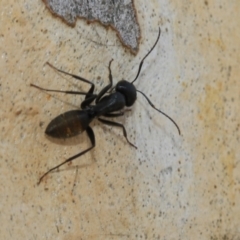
[(105, 89)]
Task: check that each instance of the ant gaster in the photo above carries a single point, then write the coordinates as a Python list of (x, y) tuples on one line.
[(108, 103)]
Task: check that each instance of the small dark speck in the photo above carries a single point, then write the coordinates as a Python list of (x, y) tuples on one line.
[(18, 112), (44, 31), (41, 124), (229, 71), (206, 3)]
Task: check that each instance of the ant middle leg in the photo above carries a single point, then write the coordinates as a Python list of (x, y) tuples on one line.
[(115, 124), (111, 115), (89, 96), (66, 92), (91, 136), (74, 76), (116, 114)]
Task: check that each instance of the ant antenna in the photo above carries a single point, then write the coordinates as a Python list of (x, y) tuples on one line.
[(151, 104), (141, 63)]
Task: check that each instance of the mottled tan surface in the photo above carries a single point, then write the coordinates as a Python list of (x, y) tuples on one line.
[(172, 187)]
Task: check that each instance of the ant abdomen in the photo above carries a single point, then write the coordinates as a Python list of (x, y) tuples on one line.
[(68, 124)]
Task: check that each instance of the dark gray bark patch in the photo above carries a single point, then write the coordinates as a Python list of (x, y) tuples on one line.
[(118, 14)]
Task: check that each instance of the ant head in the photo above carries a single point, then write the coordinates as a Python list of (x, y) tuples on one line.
[(128, 90)]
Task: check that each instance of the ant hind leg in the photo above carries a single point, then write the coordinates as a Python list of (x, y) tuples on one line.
[(91, 136)]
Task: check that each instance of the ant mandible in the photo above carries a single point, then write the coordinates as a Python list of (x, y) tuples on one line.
[(108, 103)]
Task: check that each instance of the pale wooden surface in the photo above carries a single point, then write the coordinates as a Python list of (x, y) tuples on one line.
[(172, 187)]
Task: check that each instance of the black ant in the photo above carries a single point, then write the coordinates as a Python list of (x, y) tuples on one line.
[(108, 103)]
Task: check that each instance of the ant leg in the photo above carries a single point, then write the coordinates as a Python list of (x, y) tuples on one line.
[(91, 136), (110, 115), (74, 76), (66, 92), (116, 114), (115, 124), (90, 97), (88, 100), (151, 104), (105, 89), (91, 90), (141, 63)]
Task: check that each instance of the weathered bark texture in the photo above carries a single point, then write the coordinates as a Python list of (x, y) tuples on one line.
[(120, 15)]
